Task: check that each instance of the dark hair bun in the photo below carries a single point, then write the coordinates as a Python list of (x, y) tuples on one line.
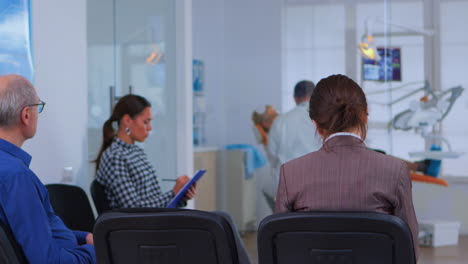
[(338, 104)]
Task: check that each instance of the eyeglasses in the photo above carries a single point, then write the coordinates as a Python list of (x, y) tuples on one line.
[(40, 106)]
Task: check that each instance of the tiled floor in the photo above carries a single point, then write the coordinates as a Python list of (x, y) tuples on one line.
[(441, 255), (446, 255)]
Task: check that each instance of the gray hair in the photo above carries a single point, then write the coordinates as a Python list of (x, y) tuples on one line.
[(16, 92)]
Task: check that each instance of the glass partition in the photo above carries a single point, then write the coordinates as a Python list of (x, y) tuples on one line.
[(132, 49), (145, 56), (453, 54), (420, 48)]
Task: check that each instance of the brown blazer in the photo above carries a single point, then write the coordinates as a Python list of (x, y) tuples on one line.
[(346, 176)]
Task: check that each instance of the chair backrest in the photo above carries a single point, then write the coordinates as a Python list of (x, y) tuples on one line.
[(334, 238), (10, 251), (163, 236), (100, 200), (71, 204)]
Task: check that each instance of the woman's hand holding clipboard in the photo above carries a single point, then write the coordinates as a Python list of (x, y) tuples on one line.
[(188, 189)]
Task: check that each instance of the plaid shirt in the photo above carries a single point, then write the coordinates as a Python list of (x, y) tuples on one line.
[(129, 179)]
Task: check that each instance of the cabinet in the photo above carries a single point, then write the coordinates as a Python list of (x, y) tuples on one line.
[(225, 186), (237, 193), (206, 158)]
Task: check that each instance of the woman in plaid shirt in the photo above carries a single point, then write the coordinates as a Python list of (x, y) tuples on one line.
[(123, 168)]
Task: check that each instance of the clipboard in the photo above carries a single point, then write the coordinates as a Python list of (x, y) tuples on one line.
[(175, 201)]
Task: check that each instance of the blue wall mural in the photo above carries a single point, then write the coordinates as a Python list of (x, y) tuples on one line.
[(15, 38)]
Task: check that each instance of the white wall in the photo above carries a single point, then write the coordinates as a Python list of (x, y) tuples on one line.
[(252, 62), (208, 45), (314, 45), (59, 45), (239, 42)]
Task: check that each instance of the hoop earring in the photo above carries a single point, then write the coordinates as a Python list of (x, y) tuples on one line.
[(127, 130)]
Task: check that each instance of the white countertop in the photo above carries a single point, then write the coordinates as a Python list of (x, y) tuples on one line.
[(205, 149)]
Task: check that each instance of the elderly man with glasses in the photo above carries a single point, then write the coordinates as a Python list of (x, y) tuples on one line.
[(24, 201)]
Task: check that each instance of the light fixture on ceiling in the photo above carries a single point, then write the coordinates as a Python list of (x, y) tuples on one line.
[(367, 47), (154, 56)]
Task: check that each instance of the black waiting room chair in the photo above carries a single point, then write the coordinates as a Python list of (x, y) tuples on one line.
[(10, 251), (163, 236), (100, 200), (334, 238), (71, 204)]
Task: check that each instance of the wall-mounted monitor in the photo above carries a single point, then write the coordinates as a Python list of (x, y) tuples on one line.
[(388, 68)]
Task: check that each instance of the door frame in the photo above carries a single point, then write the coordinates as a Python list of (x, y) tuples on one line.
[(184, 83)]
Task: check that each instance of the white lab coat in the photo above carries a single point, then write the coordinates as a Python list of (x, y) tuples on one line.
[(292, 135)]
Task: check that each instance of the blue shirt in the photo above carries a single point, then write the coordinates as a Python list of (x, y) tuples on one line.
[(26, 209)]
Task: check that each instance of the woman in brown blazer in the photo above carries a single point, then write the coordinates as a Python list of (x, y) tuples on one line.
[(344, 175)]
